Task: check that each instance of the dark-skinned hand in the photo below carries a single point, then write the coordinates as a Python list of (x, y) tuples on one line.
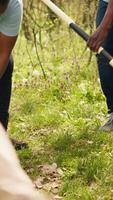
[(97, 38)]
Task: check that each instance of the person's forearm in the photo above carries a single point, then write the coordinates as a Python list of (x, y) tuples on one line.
[(3, 64), (107, 21)]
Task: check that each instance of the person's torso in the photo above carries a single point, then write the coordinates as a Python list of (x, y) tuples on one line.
[(11, 18), (106, 1)]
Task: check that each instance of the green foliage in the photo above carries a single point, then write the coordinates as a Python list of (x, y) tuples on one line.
[(59, 116)]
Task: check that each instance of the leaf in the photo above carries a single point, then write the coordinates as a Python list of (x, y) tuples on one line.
[(39, 182), (57, 197), (60, 172), (49, 169), (89, 142), (47, 187)]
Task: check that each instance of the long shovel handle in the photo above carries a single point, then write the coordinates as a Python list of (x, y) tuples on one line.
[(75, 28)]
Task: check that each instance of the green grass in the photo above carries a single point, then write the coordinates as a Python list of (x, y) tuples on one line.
[(59, 118)]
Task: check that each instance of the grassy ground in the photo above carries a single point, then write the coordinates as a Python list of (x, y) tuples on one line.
[(59, 118)]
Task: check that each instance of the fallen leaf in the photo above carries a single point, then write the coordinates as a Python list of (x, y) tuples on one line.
[(60, 172), (90, 142), (49, 169), (39, 183), (47, 187), (56, 197)]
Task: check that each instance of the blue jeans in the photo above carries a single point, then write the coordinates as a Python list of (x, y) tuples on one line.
[(5, 93), (105, 70)]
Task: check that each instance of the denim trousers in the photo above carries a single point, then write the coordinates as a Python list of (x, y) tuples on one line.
[(105, 70), (5, 93)]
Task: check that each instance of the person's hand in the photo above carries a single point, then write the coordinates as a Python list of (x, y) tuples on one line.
[(98, 37)]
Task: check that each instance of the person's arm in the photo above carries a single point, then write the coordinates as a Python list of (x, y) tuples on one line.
[(99, 36), (14, 182), (6, 45)]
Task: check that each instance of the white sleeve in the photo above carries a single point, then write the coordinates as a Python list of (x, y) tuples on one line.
[(14, 182)]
